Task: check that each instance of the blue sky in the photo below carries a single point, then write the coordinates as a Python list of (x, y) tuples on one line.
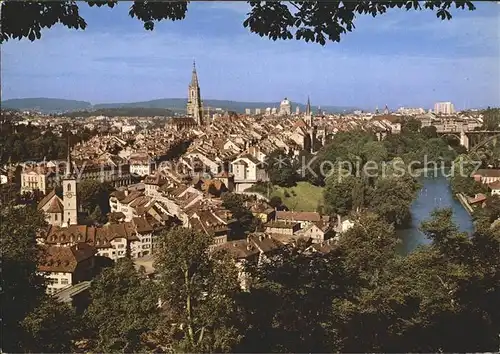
[(399, 59)]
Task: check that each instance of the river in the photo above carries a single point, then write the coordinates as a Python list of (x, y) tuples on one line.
[(435, 193)]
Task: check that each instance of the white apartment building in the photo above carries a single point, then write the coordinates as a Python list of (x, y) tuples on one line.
[(37, 178), (444, 108)]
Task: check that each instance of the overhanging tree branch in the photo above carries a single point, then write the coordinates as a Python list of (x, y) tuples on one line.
[(309, 21)]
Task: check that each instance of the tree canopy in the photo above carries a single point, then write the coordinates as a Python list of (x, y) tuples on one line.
[(244, 221), (362, 296), (198, 294), (31, 322), (317, 22), (21, 143), (123, 310), (94, 200), (281, 169)]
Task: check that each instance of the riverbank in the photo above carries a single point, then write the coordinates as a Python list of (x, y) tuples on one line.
[(463, 200)]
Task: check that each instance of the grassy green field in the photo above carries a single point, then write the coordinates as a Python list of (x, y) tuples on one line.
[(307, 197)]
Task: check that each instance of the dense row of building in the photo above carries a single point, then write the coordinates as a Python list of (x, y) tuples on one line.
[(174, 174)]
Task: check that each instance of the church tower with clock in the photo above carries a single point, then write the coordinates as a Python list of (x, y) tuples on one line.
[(62, 212), (70, 204)]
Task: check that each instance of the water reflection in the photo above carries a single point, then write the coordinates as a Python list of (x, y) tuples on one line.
[(435, 193)]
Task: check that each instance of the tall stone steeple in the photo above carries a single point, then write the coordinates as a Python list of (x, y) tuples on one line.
[(69, 169), (194, 108), (70, 201)]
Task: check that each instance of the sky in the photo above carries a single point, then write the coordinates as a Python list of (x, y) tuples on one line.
[(409, 59)]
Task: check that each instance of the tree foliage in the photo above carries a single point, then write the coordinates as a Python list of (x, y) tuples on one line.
[(362, 296), (26, 142), (391, 198), (198, 293), (317, 22), (275, 202), (281, 169), (490, 212), (491, 118), (388, 195), (338, 194), (22, 286), (94, 199), (421, 147), (123, 312), (244, 221), (283, 316), (52, 327), (461, 180)]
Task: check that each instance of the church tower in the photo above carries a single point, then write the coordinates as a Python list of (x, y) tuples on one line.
[(308, 117), (70, 204), (194, 108)]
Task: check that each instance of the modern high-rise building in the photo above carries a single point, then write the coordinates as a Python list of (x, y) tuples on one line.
[(194, 107), (248, 111), (444, 108), (257, 111)]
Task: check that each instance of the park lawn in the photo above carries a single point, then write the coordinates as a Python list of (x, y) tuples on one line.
[(308, 197)]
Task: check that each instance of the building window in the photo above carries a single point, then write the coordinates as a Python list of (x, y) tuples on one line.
[(55, 217), (69, 187), (64, 281)]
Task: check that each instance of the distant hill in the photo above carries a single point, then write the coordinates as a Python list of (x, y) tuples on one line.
[(45, 105), (123, 112), (179, 105), (53, 105), (176, 104)]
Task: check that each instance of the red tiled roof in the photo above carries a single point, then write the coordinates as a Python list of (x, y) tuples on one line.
[(55, 206), (494, 185), (239, 249), (46, 199), (298, 216), (65, 259), (389, 117), (224, 174), (142, 225), (477, 199), (132, 196), (488, 172)]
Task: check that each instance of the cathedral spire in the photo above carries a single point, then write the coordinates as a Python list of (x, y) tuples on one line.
[(308, 107), (194, 104), (194, 76)]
